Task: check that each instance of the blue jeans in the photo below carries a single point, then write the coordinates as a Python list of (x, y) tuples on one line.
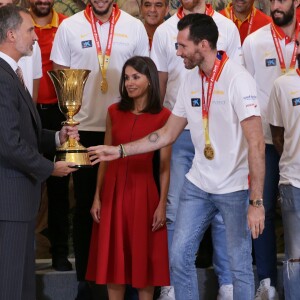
[(290, 207), (183, 153), (196, 211), (265, 245), (220, 256)]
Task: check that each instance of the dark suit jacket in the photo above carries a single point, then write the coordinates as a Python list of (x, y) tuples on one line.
[(22, 140)]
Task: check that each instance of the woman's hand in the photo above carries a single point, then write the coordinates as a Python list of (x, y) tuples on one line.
[(159, 217), (95, 210)]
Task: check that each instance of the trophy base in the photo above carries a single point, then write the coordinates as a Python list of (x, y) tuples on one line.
[(79, 157)]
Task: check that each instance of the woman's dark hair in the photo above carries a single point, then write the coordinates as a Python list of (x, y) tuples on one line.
[(145, 66)]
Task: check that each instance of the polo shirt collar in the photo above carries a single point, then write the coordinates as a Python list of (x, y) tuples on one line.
[(54, 21), (281, 35), (235, 19)]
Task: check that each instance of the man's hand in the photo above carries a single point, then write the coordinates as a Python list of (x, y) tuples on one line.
[(256, 220), (63, 168), (103, 153), (68, 131)]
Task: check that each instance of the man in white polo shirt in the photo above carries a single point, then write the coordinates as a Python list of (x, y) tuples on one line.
[(100, 38), (268, 53), (171, 73), (284, 117), (217, 98)]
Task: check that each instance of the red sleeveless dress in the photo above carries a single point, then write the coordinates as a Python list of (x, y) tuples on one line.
[(123, 248)]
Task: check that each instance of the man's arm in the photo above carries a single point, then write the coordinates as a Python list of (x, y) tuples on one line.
[(277, 138), (252, 129), (163, 80), (59, 67), (155, 140)]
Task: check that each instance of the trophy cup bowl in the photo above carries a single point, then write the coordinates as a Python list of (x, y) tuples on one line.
[(69, 85)]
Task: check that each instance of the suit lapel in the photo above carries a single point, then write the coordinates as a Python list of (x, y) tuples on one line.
[(24, 92)]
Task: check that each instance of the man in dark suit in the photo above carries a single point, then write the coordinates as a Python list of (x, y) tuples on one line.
[(22, 166)]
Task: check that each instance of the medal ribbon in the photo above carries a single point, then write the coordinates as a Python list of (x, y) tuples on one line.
[(250, 20), (104, 60), (279, 51), (206, 103), (208, 11)]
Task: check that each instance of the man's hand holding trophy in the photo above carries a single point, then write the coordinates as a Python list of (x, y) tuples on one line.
[(69, 85)]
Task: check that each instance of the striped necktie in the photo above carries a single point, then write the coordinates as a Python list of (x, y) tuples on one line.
[(20, 75)]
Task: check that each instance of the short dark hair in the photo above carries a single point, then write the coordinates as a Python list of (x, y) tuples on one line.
[(145, 66), (10, 19), (166, 2), (202, 27)]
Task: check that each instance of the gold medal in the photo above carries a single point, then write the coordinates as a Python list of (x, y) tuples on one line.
[(104, 86), (209, 152)]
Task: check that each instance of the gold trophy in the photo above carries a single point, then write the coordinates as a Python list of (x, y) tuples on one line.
[(69, 85)]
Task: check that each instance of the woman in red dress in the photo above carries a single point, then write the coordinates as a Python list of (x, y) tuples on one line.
[(129, 238)]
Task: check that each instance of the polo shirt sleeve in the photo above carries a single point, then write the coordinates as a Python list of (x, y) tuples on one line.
[(179, 109), (158, 51), (142, 42), (234, 49), (60, 53), (274, 116), (247, 55), (244, 96), (37, 62)]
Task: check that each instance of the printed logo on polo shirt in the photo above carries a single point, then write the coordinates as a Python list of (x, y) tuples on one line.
[(86, 44), (296, 101), (83, 35), (218, 102), (249, 97), (270, 62), (251, 101), (218, 92), (195, 102)]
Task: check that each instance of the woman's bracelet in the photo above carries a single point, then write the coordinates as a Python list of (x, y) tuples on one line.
[(122, 151)]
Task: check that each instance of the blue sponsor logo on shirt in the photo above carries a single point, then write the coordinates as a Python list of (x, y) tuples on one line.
[(86, 44), (296, 101), (195, 102), (271, 62)]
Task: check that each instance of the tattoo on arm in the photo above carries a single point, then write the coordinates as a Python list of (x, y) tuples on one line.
[(153, 137)]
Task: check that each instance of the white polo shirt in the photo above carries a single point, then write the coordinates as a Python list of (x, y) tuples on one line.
[(262, 62), (31, 67), (163, 51), (234, 99), (284, 111), (74, 47)]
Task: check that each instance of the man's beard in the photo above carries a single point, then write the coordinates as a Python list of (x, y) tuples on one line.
[(101, 12), (42, 13), (190, 6), (287, 17)]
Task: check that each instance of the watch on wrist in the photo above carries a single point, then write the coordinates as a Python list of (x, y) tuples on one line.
[(256, 203)]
